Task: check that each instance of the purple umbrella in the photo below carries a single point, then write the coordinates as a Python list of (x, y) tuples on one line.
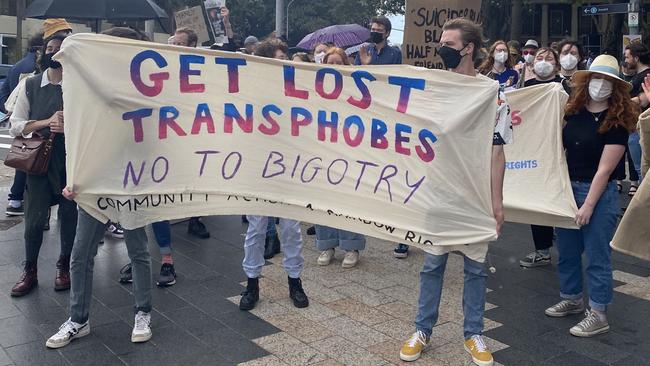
[(341, 35)]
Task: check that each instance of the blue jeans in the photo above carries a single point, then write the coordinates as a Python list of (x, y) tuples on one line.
[(270, 227), (592, 239), (82, 261), (635, 152), (329, 238), (431, 279), (18, 187), (163, 232)]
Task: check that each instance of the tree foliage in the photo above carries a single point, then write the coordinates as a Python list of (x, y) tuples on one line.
[(257, 17)]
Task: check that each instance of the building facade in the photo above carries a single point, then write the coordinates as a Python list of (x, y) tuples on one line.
[(550, 21)]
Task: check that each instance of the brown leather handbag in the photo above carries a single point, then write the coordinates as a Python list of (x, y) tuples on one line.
[(31, 155)]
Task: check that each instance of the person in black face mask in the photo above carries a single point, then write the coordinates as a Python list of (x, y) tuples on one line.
[(39, 110), (379, 52), (460, 43)]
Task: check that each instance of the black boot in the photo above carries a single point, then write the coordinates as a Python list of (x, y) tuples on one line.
[(251, 295), (271, 246), (311, 230), (297, 294), (196, 228)]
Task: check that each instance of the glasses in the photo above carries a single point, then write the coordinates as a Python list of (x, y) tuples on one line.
[(524, 52)]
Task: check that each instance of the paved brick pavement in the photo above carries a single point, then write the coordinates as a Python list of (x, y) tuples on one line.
[(358, 316)]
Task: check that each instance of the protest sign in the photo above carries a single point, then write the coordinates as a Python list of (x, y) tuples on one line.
[(423, 27), (537, 189), (394, 152), (217, 26), (193, 18)]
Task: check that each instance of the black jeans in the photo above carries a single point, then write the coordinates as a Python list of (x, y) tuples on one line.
[(37, 204), (18, 188), (542, 236)]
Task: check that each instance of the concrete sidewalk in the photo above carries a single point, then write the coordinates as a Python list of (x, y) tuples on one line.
[(357, 316)]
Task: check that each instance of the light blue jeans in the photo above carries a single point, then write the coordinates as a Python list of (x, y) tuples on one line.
[(592, 239), (329, 238), (431, 279), (82, 261), (290, 239), (634, 146)]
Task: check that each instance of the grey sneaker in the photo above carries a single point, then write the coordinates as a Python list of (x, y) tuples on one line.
[(535, 259), (590, 326), (564, 308), (167, 275)]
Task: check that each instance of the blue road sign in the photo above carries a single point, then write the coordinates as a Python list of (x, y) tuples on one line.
[(605, 9)]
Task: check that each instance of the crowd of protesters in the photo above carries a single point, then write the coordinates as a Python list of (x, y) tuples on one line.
[(599, 135)]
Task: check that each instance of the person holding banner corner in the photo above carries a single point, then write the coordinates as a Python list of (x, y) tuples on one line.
[(599, 118), (88, 234), (460, 43)]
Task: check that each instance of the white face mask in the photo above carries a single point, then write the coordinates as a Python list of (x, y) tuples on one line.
[(600, 89), (544, 69), (319, 57), (568, 61), (529, 58), (501, 57)]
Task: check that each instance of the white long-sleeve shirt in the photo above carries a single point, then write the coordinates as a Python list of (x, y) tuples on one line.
[(20, 115)]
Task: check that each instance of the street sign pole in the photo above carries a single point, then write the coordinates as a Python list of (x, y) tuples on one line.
[(20, 14), (633, 17)]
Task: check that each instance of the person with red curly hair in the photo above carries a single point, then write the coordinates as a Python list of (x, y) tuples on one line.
[(599, 118)]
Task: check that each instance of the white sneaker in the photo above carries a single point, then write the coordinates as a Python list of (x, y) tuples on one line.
[(325, 257), (351, 258), (141, 327), (67, 332)]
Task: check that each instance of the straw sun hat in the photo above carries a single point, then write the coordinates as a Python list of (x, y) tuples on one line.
[(604, 65)]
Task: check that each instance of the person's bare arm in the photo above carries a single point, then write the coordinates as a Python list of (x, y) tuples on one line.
[(498, 171), (225, 13)]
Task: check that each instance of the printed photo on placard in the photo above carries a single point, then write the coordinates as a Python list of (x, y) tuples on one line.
[(217, 26)]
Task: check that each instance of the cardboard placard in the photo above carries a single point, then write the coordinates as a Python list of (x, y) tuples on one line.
[(423, 28), (193, 18)]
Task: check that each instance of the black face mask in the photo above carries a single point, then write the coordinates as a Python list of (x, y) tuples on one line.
[(450, 56), (376, 37), (46, 61)]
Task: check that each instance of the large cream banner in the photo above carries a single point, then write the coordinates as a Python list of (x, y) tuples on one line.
[(537, 189), (159, 132)]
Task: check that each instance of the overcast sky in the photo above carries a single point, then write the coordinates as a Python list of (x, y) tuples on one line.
[(397, 34)]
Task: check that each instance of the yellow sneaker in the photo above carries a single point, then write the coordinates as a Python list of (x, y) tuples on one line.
[(480, 353), (413, 348)]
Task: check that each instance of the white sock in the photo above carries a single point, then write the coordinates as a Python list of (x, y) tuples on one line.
[(15, 203), (576, 302), (601, 315)]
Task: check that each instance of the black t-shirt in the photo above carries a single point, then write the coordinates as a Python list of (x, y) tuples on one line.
[(637, 80), (531, 82), (584, 145)]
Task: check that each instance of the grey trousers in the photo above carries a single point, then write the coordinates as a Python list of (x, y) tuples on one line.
[(84, 250)]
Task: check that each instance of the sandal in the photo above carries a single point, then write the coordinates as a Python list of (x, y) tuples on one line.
[(633, 189)]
